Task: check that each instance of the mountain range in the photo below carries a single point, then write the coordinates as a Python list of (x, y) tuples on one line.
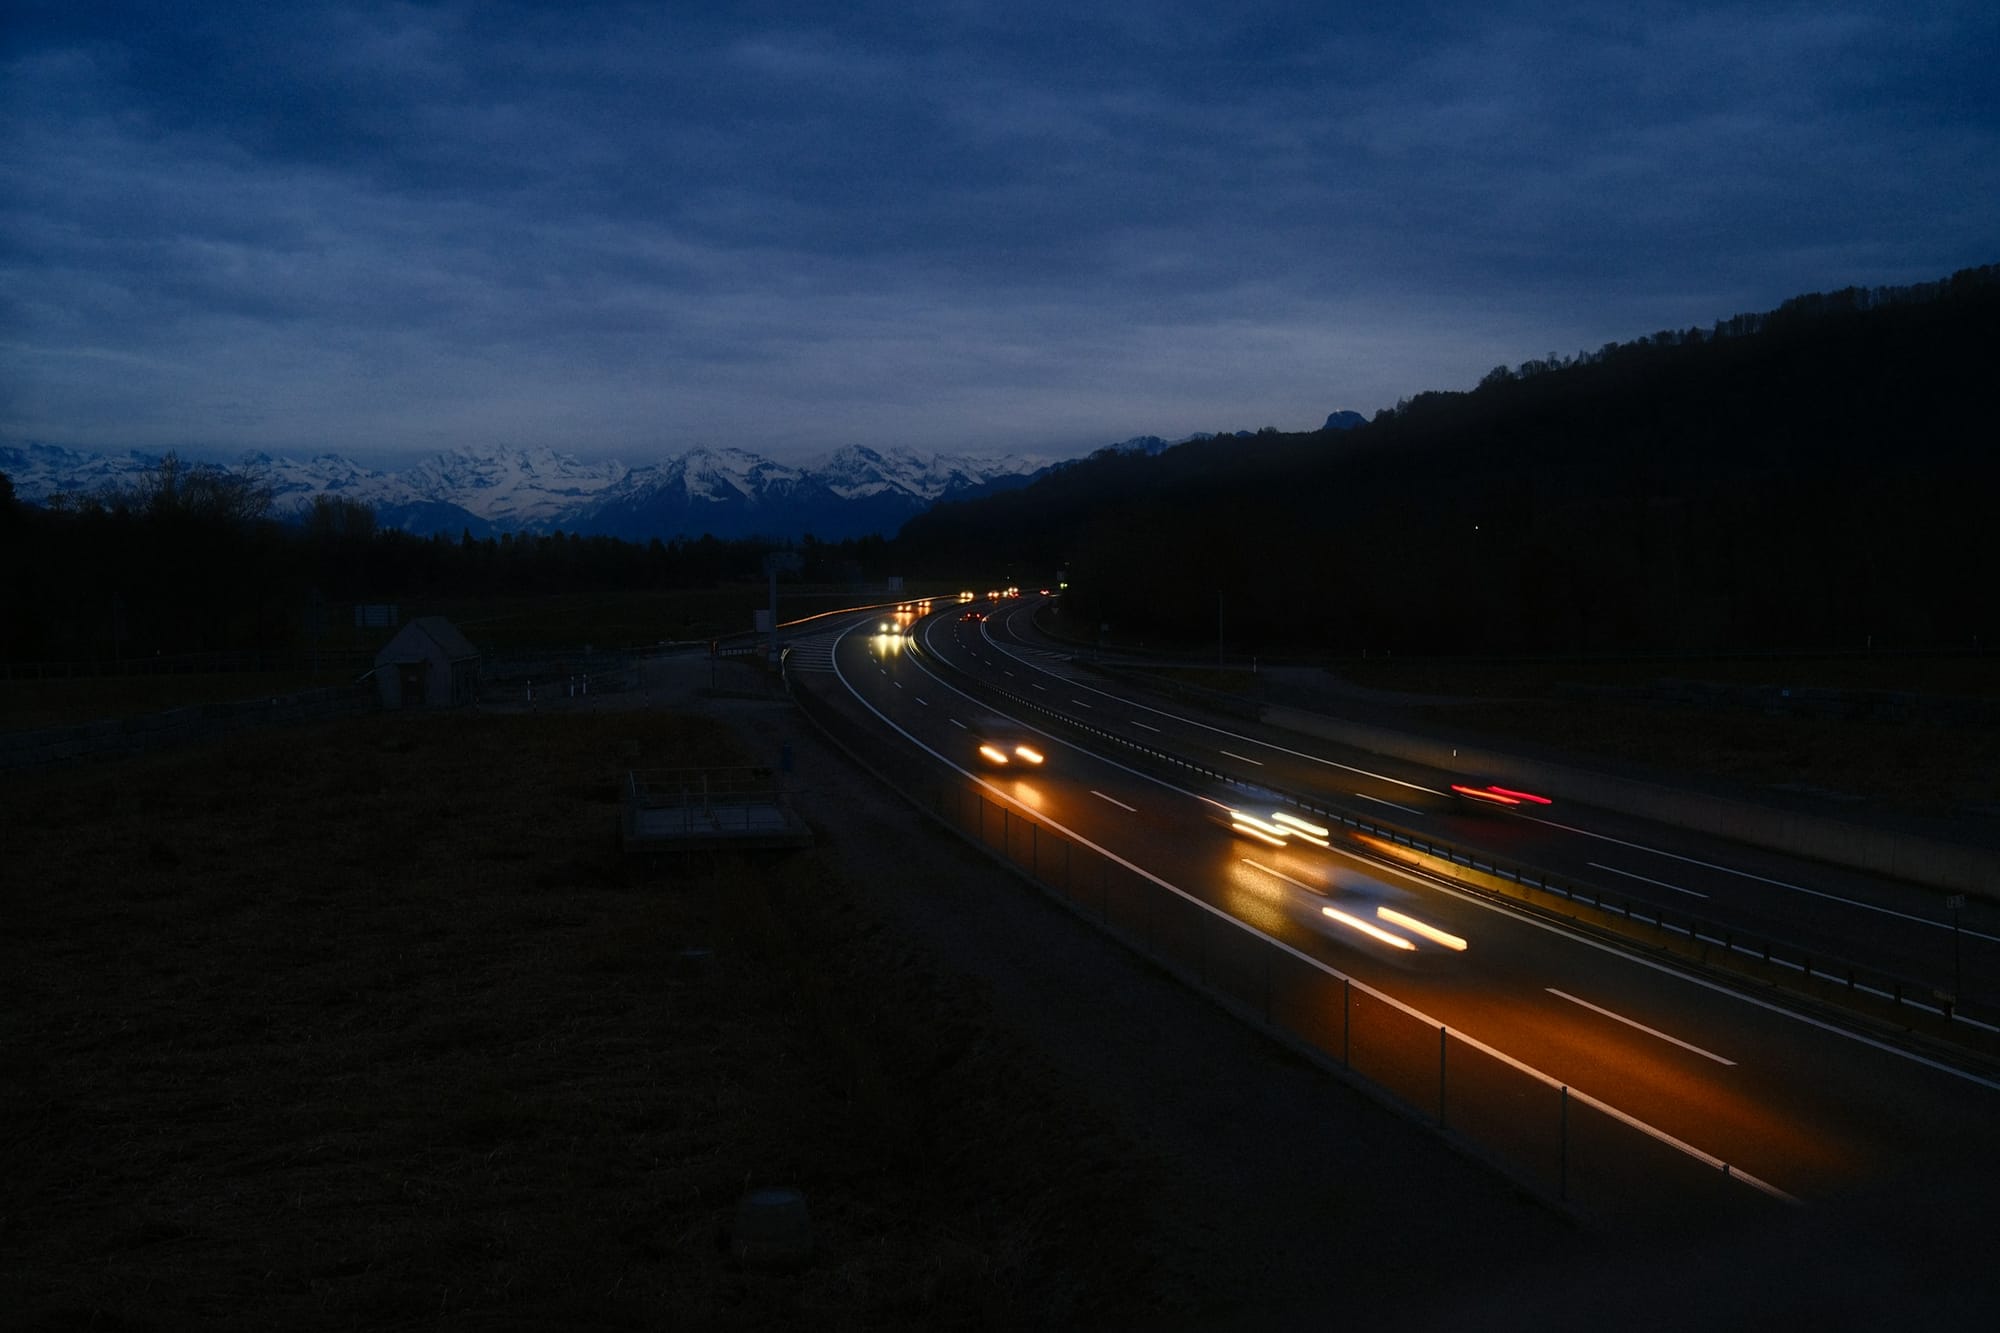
[(855, 491), (726, 493)]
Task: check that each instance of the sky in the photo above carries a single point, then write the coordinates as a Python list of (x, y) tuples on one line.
[(627, 230)]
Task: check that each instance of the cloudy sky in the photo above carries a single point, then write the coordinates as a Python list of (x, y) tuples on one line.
[(624, 230)]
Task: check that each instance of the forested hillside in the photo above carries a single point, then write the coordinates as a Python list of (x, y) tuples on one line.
[(1820, 477)]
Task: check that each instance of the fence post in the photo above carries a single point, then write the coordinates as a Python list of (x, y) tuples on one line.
[(1201, 949), (1346, 1018), (1562, 1152), (1441, 1044)]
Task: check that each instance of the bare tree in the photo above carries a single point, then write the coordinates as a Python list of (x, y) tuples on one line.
[(172, 487)]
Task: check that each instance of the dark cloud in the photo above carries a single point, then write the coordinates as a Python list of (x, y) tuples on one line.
[(629, 228)]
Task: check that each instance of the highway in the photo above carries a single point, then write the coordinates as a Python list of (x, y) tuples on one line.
[(1795, 1107), (1897, 929)]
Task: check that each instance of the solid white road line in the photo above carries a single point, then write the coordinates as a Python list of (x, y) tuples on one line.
[(1634, 1023), (1114, 800), (1243, 757), (1660, 883)]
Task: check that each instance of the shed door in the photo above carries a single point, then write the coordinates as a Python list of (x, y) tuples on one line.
[(412, 676)]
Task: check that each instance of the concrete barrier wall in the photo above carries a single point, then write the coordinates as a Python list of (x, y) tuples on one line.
[(1950, 866)]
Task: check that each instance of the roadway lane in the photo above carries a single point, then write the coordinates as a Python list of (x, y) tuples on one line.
[(1829, 911), (1798, 1105)]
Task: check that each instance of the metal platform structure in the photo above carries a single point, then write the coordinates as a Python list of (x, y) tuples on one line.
[(685, 809)]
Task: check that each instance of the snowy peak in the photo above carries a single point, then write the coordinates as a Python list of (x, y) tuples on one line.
[(854, 491), (858, 472), (720, 476), (728, 492), (510, 487)]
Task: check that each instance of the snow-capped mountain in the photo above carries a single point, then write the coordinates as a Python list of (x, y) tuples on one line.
[(513, 489), (728, 493), (852, 492)]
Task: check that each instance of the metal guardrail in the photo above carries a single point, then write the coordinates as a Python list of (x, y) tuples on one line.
[(708, 807)]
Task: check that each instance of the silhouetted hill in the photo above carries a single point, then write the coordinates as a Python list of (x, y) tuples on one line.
[(1818, 476)]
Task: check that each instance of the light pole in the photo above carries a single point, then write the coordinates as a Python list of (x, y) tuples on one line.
[(1955, 902)]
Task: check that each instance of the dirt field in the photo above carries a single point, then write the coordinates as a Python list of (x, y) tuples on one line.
[(372, 1024)]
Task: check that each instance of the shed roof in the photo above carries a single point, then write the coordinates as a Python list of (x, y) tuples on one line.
[(441, 632)]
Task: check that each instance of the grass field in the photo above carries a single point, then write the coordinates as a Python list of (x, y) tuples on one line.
[(26, 705), (371, 1024)]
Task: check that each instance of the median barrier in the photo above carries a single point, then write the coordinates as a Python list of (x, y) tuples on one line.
[(1894, 1005), (1906, 856)]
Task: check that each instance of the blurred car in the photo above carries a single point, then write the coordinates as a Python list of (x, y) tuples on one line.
[(1492, 795), (1006, 754), (1279, 829)]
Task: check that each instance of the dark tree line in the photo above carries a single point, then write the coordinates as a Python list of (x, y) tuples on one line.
[(1819, 477), (190, 559)]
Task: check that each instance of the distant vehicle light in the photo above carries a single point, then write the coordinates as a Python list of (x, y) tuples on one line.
[(1028, 753), (1519, 795), (993, 754)]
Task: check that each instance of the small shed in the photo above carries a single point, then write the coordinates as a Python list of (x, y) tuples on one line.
[(428, 664)]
